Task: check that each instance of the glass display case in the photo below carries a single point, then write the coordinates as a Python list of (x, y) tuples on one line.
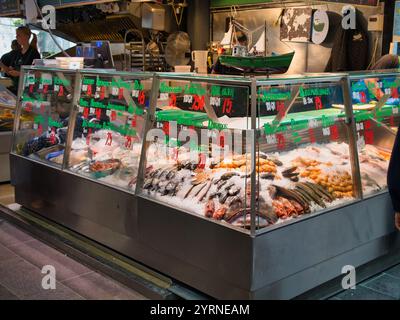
[(162, 167), (375, 97), (244, 152), (7, 108)]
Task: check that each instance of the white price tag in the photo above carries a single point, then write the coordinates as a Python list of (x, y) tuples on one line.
[(41, 86), (164, 96), (56, 87), (326, 131), (215, 101), (360, 142), (271, 139), (313, 123), (35, 126), (108, 112), (270, 106), (92, 110), (395, 110), (114, 91), (84, 87), (187, 99), (135, 93), (388, 91), (81, 109)]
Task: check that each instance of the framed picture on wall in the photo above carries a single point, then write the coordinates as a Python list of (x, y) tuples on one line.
[(296, 25)]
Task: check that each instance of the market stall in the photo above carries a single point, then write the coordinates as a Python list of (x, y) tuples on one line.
[(7, 109), (240, 187)]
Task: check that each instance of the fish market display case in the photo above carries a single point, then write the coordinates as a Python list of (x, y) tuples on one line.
[(7, 108), (239, 187)]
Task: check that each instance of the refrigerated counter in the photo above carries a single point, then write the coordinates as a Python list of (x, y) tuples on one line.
[(243, 188)]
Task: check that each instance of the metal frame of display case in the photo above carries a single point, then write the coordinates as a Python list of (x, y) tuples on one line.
[(223, 261)]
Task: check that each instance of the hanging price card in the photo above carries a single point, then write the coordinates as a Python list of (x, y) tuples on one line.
[(128, 142), (270, 105), (360, 126), (395, 93), (45, 89), (61, 91), (114, 91), (271, 139), (312, 123), (395, 110), (367, 125), (326, 131), (198, 104), (164, 96), (363, 97), (89, 90), (113, 115), (86, 113), (166, 128), (102, 93), (121, 93), (31, 86), (109, 139), (98, 113), (135, 93), (134, 120)]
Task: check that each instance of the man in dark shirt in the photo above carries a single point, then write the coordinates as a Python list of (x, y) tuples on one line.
[(9, 58)]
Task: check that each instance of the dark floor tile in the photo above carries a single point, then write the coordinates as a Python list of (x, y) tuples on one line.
[(6, 295), (385, 284), (395, 271), (6, 254), (10, 235), (25, 280), (40, 254), (362, 293), (97, 287)]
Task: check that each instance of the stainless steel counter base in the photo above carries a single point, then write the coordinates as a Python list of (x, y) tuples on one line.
[(219, 261), (5, 147)]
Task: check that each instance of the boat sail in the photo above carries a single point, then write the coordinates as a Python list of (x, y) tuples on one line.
[(227, 39), (260, 44)]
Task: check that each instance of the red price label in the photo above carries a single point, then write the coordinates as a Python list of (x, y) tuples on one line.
[(202, 161), (102, 93), (198, 104), (128, 142), (121, 93), (395, 93), (363, 97), (280, 107), (222, 141), (391, 121), (172, 100), (166, 128), (318, 103), (89, 90), (88, 136), (280, 138), (109, 139), (142, 98), (334, 132), (369, 137), (98, 113), (61, 91), (31, 88), (86, 113), (45, 88), (227, 106), (28, 107), (40, 129), (134, 120), (53, 137), (311, 134), (113, 115), (367, 125)]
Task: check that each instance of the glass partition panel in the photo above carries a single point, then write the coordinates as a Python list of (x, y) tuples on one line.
[(197, 159), (46, 104), (376, 105), (303, 158), (109, 127)]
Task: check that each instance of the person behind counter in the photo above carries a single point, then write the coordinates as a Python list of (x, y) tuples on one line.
[(26, 56), (8, 58)]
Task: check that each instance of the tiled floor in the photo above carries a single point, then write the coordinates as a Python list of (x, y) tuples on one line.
[(22, 258)]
